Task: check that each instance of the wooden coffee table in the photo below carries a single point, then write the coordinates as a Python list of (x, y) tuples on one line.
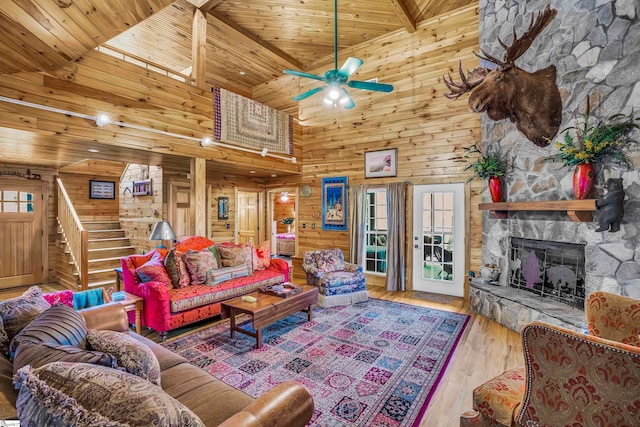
[(267, 310)]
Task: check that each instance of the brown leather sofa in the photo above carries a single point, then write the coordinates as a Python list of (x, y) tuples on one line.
[(214, 402)]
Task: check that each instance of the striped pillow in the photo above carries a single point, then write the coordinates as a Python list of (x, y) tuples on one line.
[(60, 325), (218, 276), (238, 270)]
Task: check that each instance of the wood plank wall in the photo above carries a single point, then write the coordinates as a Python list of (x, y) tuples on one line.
[(88, 209), (428, 130), (138, 214)]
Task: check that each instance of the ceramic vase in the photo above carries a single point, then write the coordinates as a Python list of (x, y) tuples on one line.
[(584, 176), (496, 188)]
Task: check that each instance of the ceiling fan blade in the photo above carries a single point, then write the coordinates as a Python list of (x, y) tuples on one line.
[(378, 87), (345, 100), (308, 93), (350, 66), (301, 74)]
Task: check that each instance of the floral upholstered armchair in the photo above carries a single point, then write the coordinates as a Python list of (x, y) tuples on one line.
[(569, 378), (338, 282)]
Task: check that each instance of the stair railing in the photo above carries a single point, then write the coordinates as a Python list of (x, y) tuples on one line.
[(75, 235)]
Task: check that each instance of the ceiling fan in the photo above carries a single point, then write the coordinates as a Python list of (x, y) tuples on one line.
[(336, 94)]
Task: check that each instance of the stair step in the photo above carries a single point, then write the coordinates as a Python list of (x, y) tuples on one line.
[(101, 225), (120, 251), (104, 263), (108, 242), (101, 284), (106, 234)]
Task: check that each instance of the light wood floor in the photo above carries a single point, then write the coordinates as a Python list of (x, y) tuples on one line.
[(485, 350)]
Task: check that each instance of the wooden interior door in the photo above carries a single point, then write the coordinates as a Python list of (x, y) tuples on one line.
[(179, 209), (247, 217), (21, 235)]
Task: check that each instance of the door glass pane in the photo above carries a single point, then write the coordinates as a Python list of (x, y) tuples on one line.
[(437, 236), (26, 197), (26, 207), (10, 195), (10, 207)]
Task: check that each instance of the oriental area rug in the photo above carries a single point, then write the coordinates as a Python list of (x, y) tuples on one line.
[(375, 363)]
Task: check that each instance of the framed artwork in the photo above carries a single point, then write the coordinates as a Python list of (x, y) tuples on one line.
[(102, 189), (334, 203), (223, 208), (381, 163)]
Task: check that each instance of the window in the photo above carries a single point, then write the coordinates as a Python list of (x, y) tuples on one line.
[(13, 201), (376, 228)]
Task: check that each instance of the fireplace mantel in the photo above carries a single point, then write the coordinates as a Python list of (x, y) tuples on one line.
[(577, 210)]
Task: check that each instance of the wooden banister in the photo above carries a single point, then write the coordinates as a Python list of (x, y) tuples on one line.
[(76, 237)]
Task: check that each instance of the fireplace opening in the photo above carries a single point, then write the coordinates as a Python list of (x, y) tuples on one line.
[(553, 270)]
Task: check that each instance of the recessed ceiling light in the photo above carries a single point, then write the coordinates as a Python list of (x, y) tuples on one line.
[(93, 150), (242, 73), (252, 171), (273, 175)]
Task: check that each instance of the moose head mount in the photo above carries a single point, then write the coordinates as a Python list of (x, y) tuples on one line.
[(530, 100)]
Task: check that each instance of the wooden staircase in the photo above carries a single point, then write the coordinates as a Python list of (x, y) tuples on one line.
[(107, 244)]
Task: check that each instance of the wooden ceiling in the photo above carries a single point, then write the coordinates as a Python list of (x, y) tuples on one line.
[(249, 42)]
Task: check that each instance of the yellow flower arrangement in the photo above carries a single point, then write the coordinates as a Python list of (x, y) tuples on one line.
[(593, 143)]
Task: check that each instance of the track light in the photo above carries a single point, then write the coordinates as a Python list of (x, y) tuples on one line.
[(102, 120), (284, 196), (264, 151), (206, 141)]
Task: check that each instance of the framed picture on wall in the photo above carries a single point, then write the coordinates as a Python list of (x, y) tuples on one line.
[(381, 163), (102, 189), (334, 203), (223, 208)]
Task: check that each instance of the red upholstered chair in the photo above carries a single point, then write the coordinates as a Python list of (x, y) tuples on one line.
[(569, 378)]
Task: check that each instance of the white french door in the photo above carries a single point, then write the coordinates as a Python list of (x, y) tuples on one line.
[(438, 239)]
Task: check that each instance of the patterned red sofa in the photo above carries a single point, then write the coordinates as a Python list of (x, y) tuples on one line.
[(167, 308)]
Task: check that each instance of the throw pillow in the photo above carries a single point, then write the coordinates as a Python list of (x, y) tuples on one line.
[(40, 353), (216, 255), (218, 276), (256, 264), (177, 269), (18, 312), (238, 270), (84, 395), (263, 251), (197, 243), (62, 297), (154, 271), (132, 355), (198, 264), (231, 256), (330, 260), (60, 325)]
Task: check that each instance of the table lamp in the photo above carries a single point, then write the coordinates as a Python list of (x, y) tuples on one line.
[(162, 231)]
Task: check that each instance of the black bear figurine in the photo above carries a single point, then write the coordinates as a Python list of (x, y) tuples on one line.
[(611, 206)]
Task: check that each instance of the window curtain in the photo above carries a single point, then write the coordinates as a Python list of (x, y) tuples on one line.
[(357, 218), (396, 216)]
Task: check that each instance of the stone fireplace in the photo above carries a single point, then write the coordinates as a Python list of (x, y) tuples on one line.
[(595, 46)]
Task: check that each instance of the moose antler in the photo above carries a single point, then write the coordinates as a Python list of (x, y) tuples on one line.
[(473, 79), (520, 45)]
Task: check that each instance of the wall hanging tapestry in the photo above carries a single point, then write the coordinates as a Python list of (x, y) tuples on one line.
[(372, 363), (334, 203), (247, 123)]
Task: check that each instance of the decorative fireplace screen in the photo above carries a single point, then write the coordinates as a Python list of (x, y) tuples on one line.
[(550, 269)]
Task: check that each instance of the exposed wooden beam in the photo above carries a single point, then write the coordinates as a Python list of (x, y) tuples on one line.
[(199, 48), (403, 13), (205, 5), (253, 39)]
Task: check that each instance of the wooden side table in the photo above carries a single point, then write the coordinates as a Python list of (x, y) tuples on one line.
[(118, 271), (133, 302)]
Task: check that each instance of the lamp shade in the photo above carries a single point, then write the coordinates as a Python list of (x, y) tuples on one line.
[(162, 231)]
